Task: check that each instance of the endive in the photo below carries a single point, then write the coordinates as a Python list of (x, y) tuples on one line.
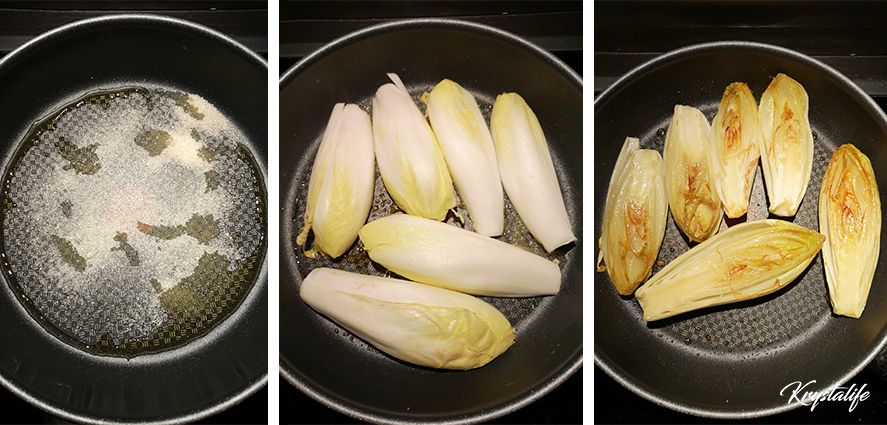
[(634, 217), (410, 160), (419, 324), (468, 149), (746, 261), (527, 171), (786, 144), (442, 255), (850, 218), (340, 190), (735, 142), (689, 175)]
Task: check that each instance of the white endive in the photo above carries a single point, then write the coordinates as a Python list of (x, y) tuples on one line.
[(468, 149), (746, 261), (850, 219), (689, 175), (442, 255), (410, 160), (736, 139), (634, 217), (528, 173), (786, 144), (419, 324), (340, 191)]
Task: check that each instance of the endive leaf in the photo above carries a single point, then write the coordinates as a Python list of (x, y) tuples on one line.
[(634, 217), (439, 254), (850, 219), (410, 160), (419, 324), (468, 149), (689, 175), (340, 190), (527, 171), (786, 144), (736, 137), (746, 261)]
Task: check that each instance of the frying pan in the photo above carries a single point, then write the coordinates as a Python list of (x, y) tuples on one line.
[(732, 361), (340, 371), (210, 373)]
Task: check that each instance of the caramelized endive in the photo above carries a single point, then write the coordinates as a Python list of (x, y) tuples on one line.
[(850, 219), (735, 142), (634, 217), (746, 261), (786, 144), (689, 178)]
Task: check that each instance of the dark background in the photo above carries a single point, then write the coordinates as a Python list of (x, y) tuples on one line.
[(554, 26), (245, 21), (849, 36)]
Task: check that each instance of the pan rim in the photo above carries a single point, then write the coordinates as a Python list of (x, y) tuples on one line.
[(558, 376), (252, 385), (636, 387)]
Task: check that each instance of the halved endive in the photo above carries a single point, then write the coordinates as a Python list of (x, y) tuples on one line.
[(528, 173), (468, 149), (410, 160), (735, 148), (746, 261), (439, 254), (689, 175), (416, 323), (634, 217), (850, 219), (340, 190), (786, 144)]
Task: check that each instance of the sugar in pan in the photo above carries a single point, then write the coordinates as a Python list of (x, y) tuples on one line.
[(133, 220)]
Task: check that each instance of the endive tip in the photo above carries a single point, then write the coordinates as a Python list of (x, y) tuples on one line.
[(397, 82)]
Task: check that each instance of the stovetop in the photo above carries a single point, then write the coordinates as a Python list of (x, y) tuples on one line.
[(849, 36), (245, 21)]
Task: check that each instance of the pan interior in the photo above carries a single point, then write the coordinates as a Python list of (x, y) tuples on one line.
[(733, 360), (132, 220), (763, 325), (517, 310)]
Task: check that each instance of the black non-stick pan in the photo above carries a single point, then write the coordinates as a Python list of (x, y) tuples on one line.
[(341, 371), (178, 385), (733, 361)]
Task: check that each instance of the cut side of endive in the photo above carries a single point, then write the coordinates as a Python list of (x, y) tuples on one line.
[(746, 261), (443, 255), (850, 219), (416, 323), (736, 140), (340, 190), (634, 217), (786, 144), (689, 175), (528, 173), (467, 146), (410, 161)]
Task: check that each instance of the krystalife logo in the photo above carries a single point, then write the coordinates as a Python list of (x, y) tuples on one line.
[(850, 394)]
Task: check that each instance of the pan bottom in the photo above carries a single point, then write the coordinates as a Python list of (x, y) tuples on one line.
[(132, 220)]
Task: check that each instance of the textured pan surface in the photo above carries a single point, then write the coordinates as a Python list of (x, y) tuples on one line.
[(141, 246), (340, 370), (210, 373), (733, 360)]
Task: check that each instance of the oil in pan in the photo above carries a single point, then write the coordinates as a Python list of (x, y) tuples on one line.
[(133, 220)]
